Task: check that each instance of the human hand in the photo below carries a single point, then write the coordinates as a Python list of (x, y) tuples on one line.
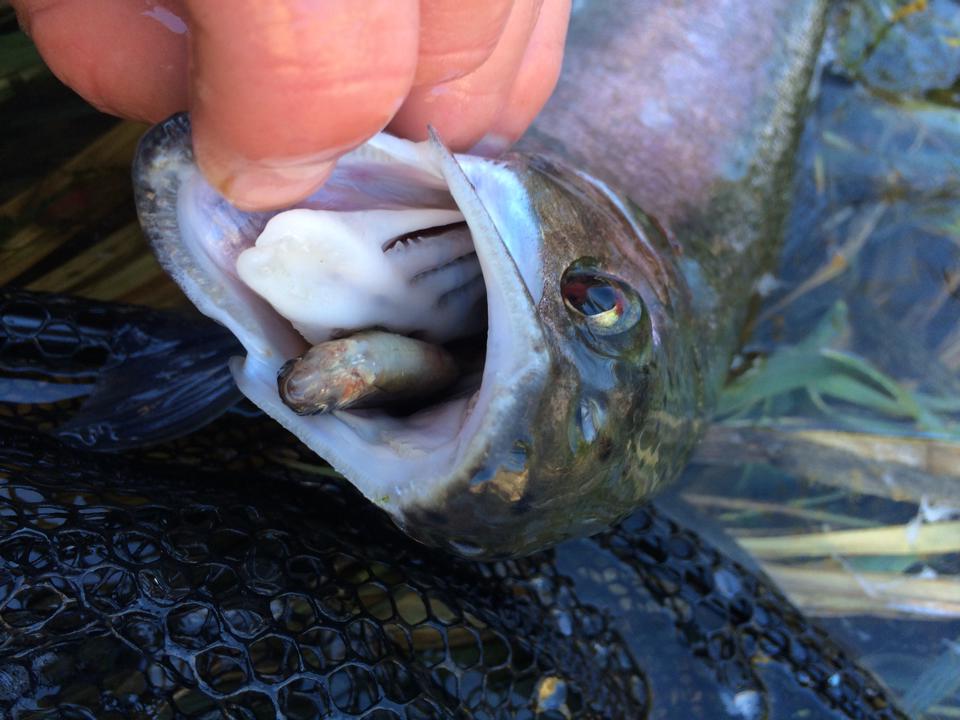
[(279, 89)]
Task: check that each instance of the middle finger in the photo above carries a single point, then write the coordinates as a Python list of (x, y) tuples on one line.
[(464, 109)]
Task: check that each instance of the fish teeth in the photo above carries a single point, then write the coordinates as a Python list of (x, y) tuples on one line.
[(415, 254)]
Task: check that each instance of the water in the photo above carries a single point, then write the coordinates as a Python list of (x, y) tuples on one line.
[(857, 344)]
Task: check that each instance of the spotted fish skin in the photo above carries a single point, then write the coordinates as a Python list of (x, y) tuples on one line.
[(152, 583)]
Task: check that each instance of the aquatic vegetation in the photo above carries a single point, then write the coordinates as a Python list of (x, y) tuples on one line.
[(902, 47), (845, 404)]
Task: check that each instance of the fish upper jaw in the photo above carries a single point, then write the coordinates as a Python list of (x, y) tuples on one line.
[(518, 357)]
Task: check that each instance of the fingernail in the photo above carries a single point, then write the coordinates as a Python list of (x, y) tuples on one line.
[(491, 145), (271, 186)]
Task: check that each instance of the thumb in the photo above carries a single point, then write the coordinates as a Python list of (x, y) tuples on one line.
[(279, 90)]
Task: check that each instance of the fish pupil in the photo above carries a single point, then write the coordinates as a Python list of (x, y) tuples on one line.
[(592, 295)]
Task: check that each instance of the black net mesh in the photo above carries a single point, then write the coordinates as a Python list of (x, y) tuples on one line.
[(130, 592), (223, 575)]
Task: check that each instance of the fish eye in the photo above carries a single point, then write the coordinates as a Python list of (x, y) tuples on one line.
[(606, 303)]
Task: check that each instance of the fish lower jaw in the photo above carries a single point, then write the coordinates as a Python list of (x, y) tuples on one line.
[(411, 461)]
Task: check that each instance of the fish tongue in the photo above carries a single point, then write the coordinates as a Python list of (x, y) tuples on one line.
[(324, 270)]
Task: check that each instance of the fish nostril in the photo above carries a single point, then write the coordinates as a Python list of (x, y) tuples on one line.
[(591, 417)]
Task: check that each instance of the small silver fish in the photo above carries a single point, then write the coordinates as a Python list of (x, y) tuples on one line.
[(366, 370)]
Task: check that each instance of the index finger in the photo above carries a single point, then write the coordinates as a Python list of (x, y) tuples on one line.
[(280, 89), (123, 57)]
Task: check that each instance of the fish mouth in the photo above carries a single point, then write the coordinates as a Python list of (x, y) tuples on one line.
[(399, 461)]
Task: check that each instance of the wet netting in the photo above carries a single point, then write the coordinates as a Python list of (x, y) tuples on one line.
[(150, 597), (155, 584)]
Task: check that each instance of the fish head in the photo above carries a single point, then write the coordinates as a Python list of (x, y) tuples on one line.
[(608, 404), (586, 390)]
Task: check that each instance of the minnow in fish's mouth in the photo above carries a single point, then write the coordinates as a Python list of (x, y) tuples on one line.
[(394, 242)]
